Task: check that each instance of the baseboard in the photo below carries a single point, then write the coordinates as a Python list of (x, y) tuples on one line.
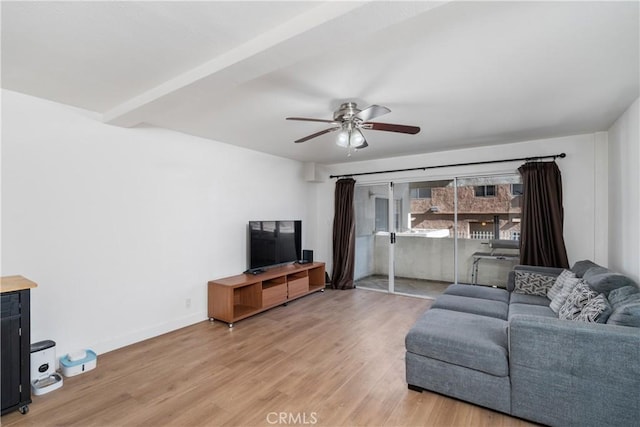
[(151, 332)]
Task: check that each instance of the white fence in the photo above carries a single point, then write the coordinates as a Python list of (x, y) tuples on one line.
[(488, 235)]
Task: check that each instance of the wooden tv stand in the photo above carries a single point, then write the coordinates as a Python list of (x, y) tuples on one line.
[(237, 297)]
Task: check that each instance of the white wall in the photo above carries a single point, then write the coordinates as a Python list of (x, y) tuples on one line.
[(579, 175), (624, 193), (119, 227)]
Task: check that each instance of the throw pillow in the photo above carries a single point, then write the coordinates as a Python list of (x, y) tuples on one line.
[(559, 300), (533, 283), (577, 299), (596, 310), (559, 283)]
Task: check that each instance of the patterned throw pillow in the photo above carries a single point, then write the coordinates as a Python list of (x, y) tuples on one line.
[(558, 301), (533, 283), (577, 299), (597, 310), (560, 282)]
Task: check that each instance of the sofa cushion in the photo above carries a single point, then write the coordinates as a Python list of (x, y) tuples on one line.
[(559, 283), (529, 299), (596, 310), (463, 339), (577, 299), (530, 309), (558, 301), (593, 271), (483, 307), (476, 291), (533, 283), (606, 282), (626, 310), (620, 295), (580, 267)]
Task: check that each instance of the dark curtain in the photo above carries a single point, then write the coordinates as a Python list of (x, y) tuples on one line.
[(541, 239), (344, 241)]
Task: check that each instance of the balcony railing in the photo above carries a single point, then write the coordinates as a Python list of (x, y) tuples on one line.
[(430, 258)]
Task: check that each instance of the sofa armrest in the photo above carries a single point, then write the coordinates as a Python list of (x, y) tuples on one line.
[(547, 271), (574, 373)]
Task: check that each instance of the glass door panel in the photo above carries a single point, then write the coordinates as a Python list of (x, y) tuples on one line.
[(488, 223), (371, 203), (424, 248)]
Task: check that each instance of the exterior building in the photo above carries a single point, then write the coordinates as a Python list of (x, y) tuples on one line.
[(486, 211)]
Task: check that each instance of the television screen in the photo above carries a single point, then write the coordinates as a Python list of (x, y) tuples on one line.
[(274, 242)]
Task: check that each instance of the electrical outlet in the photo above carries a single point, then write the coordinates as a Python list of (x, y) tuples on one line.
[(187, 303)]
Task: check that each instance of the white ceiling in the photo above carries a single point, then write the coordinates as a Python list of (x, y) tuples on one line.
[(468, 73)]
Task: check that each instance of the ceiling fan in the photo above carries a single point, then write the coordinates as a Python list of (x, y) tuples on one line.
[(350, 121)]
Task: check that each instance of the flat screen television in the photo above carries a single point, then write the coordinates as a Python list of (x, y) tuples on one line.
[(274, 242)]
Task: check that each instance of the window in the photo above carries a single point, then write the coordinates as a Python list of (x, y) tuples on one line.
[(420, 193), (517, 189), (485, 190)]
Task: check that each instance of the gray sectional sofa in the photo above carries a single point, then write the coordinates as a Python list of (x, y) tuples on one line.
[(510, 352)]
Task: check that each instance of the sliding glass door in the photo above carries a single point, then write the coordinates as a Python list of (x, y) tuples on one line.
[(417, 237), (424, 247)]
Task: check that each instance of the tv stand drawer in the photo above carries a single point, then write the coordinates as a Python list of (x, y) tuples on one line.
[(273, 295), (298, 286)]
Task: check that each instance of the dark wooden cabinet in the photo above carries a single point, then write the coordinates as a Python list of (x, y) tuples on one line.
[(15, 357)]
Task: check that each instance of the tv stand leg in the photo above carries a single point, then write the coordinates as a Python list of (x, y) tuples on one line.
[(230, 325)]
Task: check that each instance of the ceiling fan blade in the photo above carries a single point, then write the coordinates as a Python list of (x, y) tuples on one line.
[(322, 132), (304, 119), (371, 112), (389, 127)]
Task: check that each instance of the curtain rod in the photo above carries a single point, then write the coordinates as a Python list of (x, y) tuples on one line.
[(486, 162)]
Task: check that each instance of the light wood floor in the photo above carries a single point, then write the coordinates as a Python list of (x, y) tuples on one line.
[(334, 358), (419, 287)]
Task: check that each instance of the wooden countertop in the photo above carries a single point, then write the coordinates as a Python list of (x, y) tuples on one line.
[(15, 283)]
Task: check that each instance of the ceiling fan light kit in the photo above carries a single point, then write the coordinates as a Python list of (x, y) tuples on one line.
[(349, 120), (350, 137)]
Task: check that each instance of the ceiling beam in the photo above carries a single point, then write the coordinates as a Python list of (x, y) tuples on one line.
[(331, 25)]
